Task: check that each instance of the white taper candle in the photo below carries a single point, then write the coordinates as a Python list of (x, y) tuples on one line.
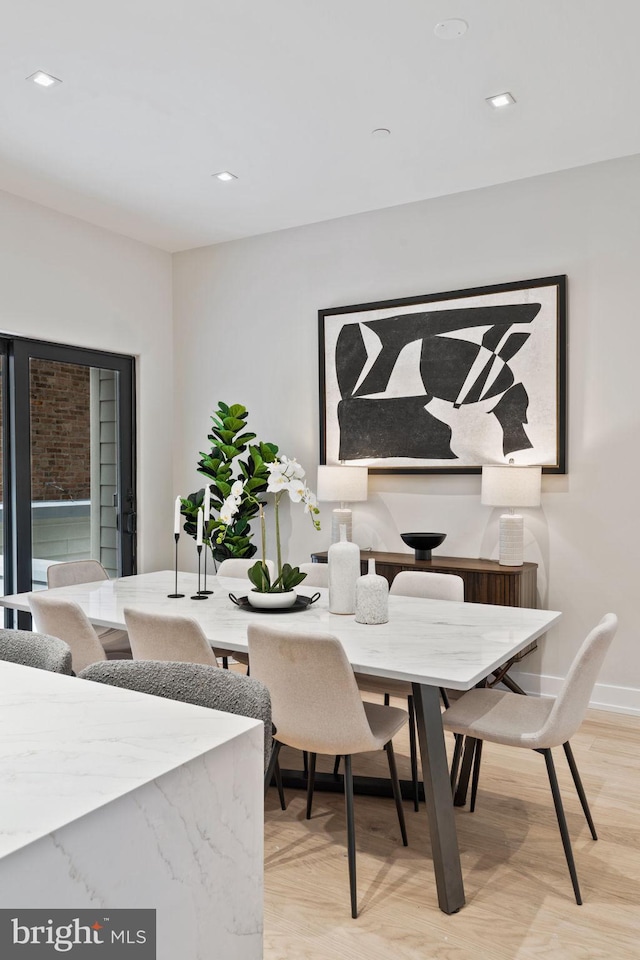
[(176, 517), (200, 527)]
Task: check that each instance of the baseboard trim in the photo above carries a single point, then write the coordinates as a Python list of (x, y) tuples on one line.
[(605, 696)]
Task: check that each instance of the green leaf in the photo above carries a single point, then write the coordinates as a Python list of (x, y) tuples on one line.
[(268, 452), (244, 439), (237, 410), (232, 423), (229, 450), (259, 577)]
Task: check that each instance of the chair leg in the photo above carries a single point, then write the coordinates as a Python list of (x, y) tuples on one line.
[(311, 776), (351, 834), (336, 765), (413, 752), (579, 788), (460, 796), (444, 696), (275, 750), (278, 776), (305, 763), (455, 761), (386, 699), (397, 794), (225, 663), (562, 822), (476, 775)]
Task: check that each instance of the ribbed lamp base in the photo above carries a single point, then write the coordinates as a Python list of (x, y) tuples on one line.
[(340, 518), (511, 540)]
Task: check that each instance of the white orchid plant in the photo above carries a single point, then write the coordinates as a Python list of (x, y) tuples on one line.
[(285, 476)]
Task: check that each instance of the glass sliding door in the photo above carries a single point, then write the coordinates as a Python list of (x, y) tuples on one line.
[(72, 460), (4, 512)]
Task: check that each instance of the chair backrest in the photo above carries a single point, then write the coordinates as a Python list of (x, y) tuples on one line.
[(429, 586), (75, 571), (571, 703), (236, 567), (314, 695), (317, 574), (157, 636), (35, 650), (64, 619), (195, 683)]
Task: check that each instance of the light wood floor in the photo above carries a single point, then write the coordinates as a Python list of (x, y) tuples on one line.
[(520, 903)]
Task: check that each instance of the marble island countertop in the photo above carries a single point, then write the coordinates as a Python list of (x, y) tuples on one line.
[(68, 747)]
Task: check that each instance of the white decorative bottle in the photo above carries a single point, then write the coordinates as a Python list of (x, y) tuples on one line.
[(344, 570), (372, 597)]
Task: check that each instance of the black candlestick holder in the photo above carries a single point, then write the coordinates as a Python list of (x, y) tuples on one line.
[(200, 595), (204, 590), (176, 595)]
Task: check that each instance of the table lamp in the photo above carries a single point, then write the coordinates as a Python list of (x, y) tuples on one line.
[(343, 484), (506, 485)]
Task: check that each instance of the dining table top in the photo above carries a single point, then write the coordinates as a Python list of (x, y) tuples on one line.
[(434, 642)]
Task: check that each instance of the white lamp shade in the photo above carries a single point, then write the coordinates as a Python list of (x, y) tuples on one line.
[(344, 484), (506, 485)]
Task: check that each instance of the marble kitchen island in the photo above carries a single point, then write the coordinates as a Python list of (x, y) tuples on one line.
[(115, 799)]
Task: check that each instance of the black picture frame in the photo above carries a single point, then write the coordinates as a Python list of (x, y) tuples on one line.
[(490, 362)]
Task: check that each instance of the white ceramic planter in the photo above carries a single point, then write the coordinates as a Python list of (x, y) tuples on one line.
[(271, 601)]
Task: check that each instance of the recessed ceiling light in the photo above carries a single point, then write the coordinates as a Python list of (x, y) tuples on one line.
[(44, 79), (450, 29), (501, 100), (381, 132), (225, 175)]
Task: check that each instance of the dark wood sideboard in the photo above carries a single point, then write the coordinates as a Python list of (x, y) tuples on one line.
[(485, 581)]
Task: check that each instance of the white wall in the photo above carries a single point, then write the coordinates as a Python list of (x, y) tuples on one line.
[(66, 281), (245, 317)]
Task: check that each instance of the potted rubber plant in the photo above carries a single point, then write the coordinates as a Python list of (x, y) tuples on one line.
[(234, 458)]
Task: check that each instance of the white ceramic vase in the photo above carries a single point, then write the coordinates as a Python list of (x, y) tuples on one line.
[(344, 570), (272, 601), (372, 597)]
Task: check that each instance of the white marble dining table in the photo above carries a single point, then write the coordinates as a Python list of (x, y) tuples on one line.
[(429, 643)]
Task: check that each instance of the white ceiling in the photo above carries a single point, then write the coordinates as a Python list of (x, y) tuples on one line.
[(158, 95)]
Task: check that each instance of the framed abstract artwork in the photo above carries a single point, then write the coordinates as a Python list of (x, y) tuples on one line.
[(447, 382)]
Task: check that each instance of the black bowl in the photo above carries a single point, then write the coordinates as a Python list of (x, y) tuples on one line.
[(423, 543)]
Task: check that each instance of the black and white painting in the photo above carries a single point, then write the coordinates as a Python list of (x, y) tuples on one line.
[(447, 382)]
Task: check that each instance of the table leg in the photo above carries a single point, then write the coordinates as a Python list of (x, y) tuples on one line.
[(438, 801)]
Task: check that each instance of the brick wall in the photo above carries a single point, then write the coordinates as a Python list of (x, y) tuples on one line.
[(60, 431)]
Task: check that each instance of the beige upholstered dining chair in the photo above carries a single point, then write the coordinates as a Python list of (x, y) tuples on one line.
[(429, 586), (317, 708), (538, 724), (64, 619), (236, 567), (317, 574), (71, 572), (159, 636)]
